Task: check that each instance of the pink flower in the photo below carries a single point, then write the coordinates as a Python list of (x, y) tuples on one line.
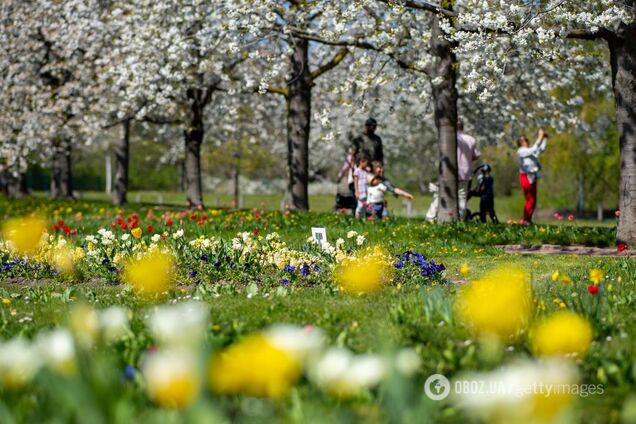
[(570, 217)]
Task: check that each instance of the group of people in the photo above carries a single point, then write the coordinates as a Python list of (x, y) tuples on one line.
[(364, 167)]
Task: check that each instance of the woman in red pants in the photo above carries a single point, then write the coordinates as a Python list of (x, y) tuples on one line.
[(529, 170)]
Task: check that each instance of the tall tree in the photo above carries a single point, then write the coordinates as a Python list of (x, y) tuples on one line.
[(47, 73), (173, 57), (272, 19)]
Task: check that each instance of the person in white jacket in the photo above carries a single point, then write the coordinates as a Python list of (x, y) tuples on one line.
[(530, 170)]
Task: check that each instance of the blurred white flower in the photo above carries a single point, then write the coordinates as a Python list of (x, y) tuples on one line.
[(113, 323), (19, 362), (341, 372), (57, 350), (407, 362), (84, 323), (179, 324), (523, 392), (300, 342), (172, 377)]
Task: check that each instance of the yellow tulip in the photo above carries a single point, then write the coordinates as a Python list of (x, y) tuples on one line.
[(24, 234), (253, 367), (596, 275), (499, 304), (367, 272), (150, 274), (562, 334)]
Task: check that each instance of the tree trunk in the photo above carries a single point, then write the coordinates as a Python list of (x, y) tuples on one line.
[(623, 60), (61, 176), (580, 197), (235, 184), (445, 100), (122, 157), (17, 185), (193, 139), (298, 125)]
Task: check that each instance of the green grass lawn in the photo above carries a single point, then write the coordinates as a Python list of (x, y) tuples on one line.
[(244, 297), (508, 208)]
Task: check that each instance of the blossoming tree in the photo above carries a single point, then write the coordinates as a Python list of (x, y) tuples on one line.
[(47, 75), (174, 56)]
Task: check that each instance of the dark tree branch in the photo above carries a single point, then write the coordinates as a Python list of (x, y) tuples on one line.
[(339, 57), (585, 34), (422, 5), (365, 45)]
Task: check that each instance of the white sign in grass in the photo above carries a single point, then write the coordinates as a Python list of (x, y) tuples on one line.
[(319, 234)]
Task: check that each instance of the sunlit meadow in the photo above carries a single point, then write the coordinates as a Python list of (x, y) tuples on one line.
[(157, 315)]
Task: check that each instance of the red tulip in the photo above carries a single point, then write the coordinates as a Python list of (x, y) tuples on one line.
[(255, 231), (621, 246), (593, 289), (150, 228), (169, 222)]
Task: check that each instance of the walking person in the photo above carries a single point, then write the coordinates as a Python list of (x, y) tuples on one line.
[(467, 153), (369, 143), (530, 171)]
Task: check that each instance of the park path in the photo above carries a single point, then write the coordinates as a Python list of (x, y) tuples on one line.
[(553, 249)]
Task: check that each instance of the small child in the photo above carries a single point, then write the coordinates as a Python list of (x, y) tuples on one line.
[(375, 195), (486, 194), (378, 169), (360, 184)]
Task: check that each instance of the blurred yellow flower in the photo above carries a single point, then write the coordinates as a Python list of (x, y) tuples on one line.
[(172, 378), (136, 232), (367, 272), (84, 324), (499, 304), (6, 301), (596, 275), (253, 367), (562, 334), (150, 274), (565, 279), (555, 276), (62, 258), (463, 270), (24, 234)]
